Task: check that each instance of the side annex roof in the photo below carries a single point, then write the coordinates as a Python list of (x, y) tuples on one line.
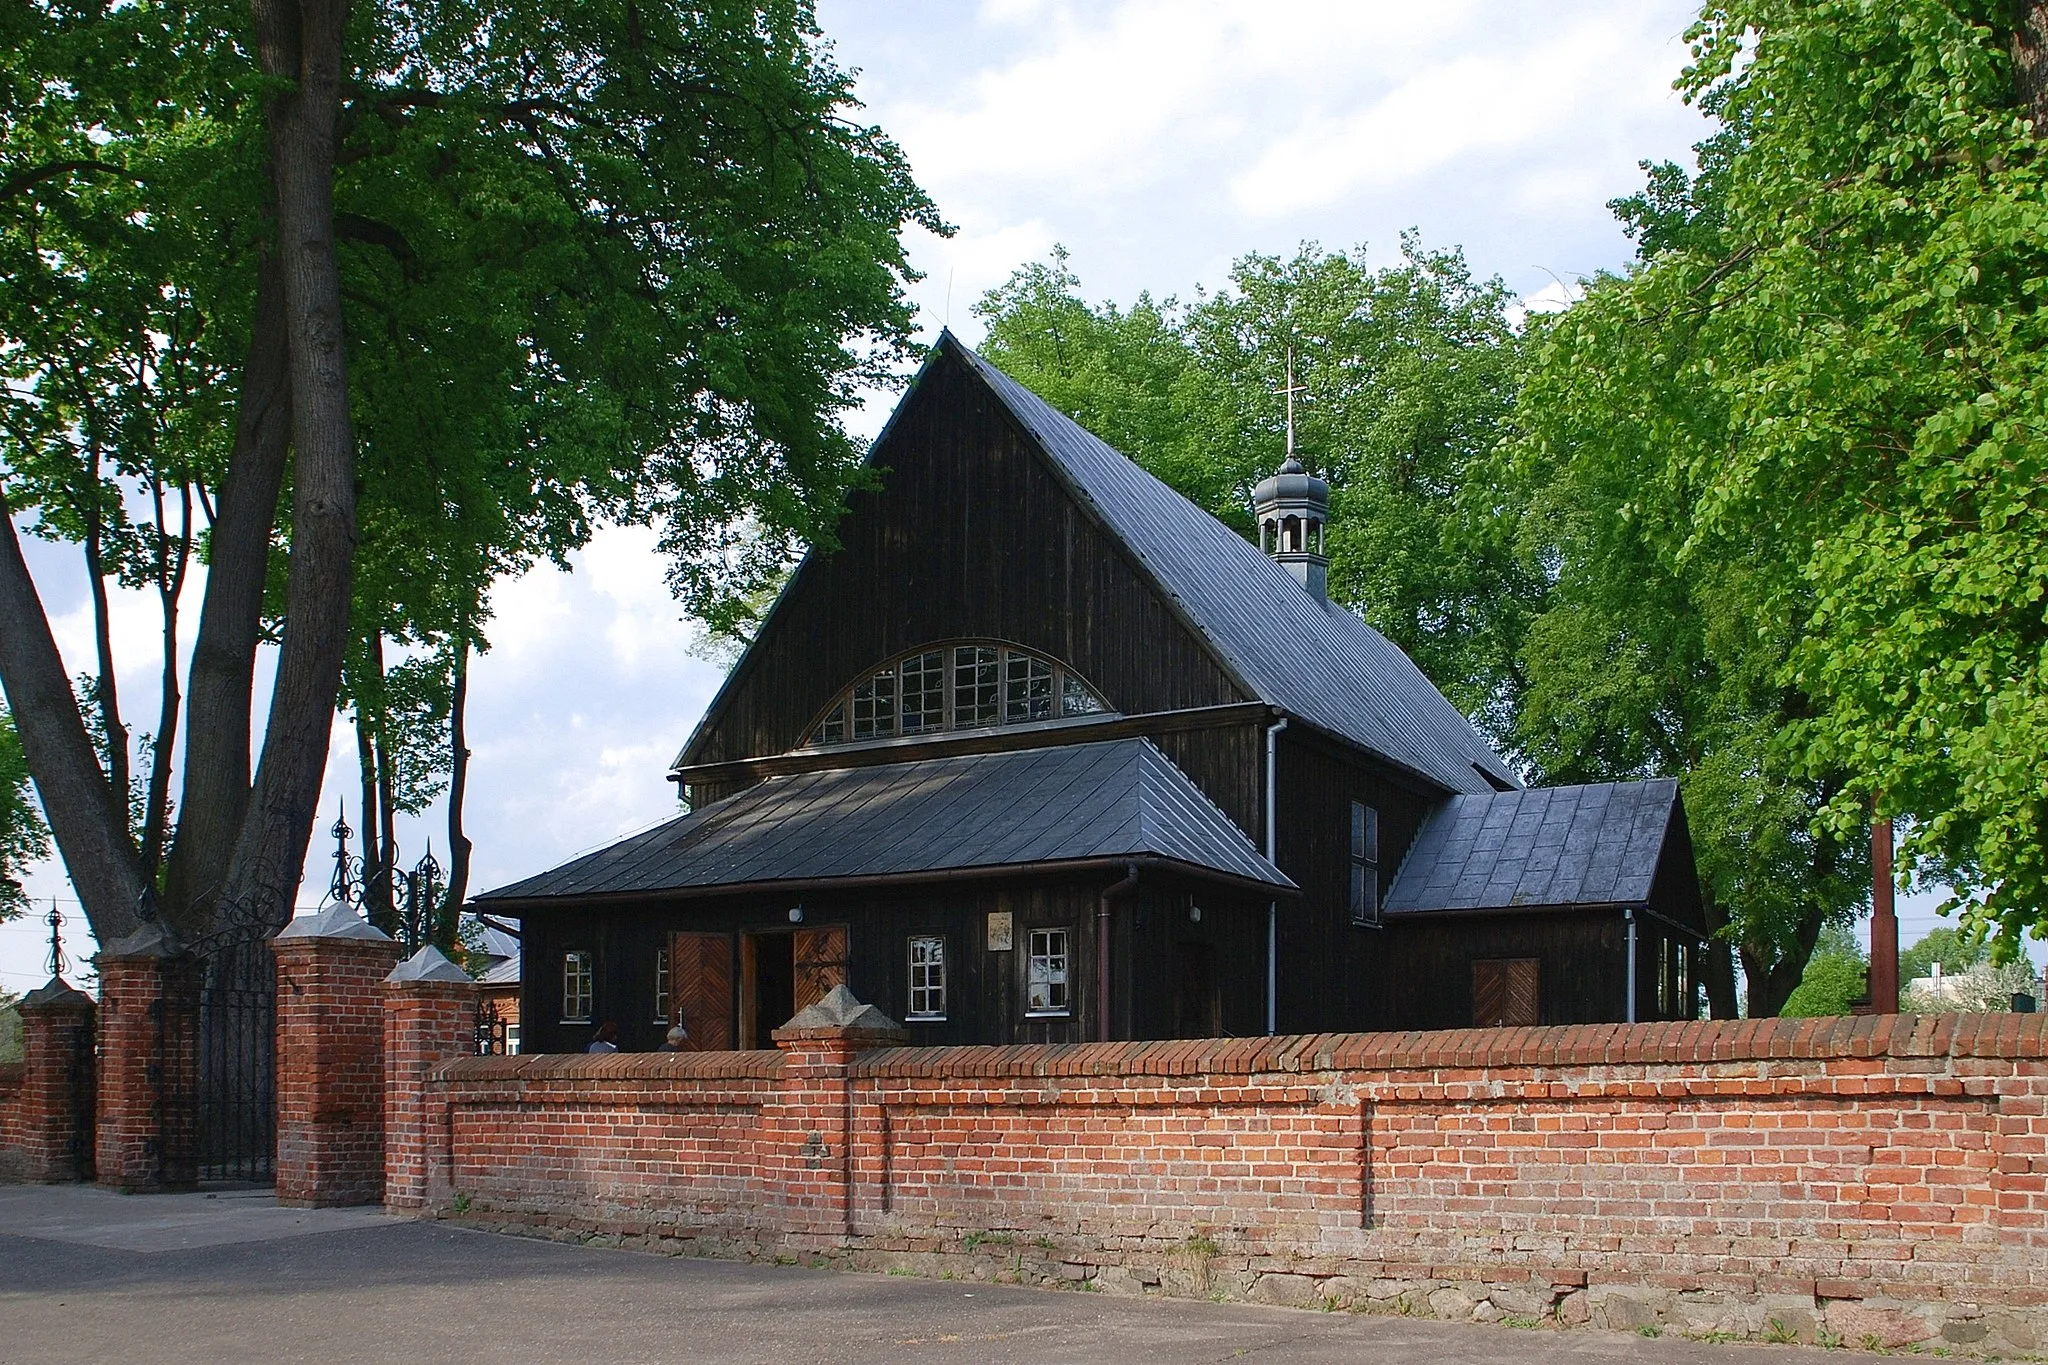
[(1083, 803)]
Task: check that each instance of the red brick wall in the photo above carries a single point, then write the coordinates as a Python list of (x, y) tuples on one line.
[(330, 1069), (146, 1133), (425, 1024), (52, 1134), (10, 1119), (1884, 1177)]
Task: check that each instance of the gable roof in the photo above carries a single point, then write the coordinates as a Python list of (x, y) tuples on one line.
[(1587, 845), (1085, 802), (1310, 657)]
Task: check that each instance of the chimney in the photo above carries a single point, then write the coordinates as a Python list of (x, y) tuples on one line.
[(1292, 508)]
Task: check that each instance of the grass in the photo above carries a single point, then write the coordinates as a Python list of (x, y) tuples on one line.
[(460, 1204), (1649, 1329), (1778, 1334), (1516, 1320)]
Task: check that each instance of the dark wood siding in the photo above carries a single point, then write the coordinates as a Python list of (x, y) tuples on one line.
[(1332, 972), (969, 535), (1151, 933)]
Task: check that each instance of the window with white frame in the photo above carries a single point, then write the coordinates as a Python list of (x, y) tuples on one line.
[(956, 687), (1365, 864), (576, 983), (1045, 973), (927, 977), (661, 1001)]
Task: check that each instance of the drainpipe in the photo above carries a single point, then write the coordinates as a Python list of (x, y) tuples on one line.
[(1629, 914), (1272, 906), (1109, 893)]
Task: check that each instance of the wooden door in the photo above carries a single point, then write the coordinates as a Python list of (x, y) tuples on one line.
[(820, 962), (1506, 991), (700, 985)]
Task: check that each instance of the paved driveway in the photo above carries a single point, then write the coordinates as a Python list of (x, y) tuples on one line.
[(89, 1276)]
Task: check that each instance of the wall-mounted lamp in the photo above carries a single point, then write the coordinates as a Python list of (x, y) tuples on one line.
[(1195, 914), (796, 914)]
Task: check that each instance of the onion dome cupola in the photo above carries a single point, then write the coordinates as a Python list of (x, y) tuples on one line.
[(1292, 508)]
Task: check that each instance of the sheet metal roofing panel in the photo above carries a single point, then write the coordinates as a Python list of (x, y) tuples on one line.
[(1588, 845), (1312, 658), (1123, 798)]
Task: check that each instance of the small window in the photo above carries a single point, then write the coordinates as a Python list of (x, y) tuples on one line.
[(924, 693), (927, 977), (1045, 981), (974, 686), (1077, 700), (1365, 864), (874, 706), (1027, 689), (661, 1003), (576, 988)]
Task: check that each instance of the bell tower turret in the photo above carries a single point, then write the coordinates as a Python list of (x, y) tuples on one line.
[(1293, 507)]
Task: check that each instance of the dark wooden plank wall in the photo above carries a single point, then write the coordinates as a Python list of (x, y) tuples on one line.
[(989, 545), (985, 989), (1331, 971)]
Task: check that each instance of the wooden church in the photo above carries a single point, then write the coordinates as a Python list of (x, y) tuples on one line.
[(1044, 752)]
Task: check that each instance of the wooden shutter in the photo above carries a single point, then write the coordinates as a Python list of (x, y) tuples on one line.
[(820, 963), (1506, 991), (700, 986)]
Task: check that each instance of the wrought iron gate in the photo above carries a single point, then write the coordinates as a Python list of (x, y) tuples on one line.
[(237, 1136)]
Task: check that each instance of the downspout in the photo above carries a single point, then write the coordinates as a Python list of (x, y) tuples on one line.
[(1272, 906), (1629, 915), (1109, 893)]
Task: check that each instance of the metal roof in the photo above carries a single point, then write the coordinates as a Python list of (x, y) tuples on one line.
[(1118, 799), (1310, 657), (1588, 845)]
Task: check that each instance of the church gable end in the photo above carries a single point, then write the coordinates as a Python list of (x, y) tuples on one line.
[(969, 536)]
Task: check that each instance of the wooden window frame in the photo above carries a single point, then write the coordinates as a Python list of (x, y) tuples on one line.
[(934, 982), (855, 713), (664, 1004), (1064, 957), (572, 960), (1363, 845)]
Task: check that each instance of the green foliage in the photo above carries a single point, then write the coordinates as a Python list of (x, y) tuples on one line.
[(1834, 350), (1410, 374), (598, 262), (10, 1026), (24, 840), (1835, 978), (1956, 953)]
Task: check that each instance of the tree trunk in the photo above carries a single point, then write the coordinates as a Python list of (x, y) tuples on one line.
[(222, 682), (106, 692), (302, 43), (170, 580), (2030, 61), (366, 771), (458, 787), (77, 799), (1720, 971)]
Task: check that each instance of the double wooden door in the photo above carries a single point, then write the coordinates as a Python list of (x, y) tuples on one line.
[(726, 988)]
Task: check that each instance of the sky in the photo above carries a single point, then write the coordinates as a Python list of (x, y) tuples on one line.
[(1157, 141)]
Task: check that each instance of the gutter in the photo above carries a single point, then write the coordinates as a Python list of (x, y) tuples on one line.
[(1109, 893), (1272, 906)]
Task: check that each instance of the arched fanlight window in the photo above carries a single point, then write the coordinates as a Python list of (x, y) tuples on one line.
[(955, 687)]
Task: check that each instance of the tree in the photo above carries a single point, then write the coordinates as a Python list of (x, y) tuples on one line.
[(470, 279), (1953, 952), (1409, 372), (24, 840), (1829, 369), (1834, 979)]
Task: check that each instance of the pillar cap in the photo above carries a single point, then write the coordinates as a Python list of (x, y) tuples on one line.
[(428, 964), (336, 921), (56, 993), (840, 1014), (152, 938)]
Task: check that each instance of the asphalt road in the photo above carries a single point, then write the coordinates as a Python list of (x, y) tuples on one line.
[(86, 1276)]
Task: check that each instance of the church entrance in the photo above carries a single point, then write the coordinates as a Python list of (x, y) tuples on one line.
[(767, 985), (1198, 1011)]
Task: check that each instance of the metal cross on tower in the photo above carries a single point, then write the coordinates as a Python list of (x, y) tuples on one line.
[(1288, 392)]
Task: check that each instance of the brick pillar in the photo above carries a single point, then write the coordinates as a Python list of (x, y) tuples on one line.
[(330, 1059), (146, 1126), (811, 1118), (56, 1083), (429, 1017)]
